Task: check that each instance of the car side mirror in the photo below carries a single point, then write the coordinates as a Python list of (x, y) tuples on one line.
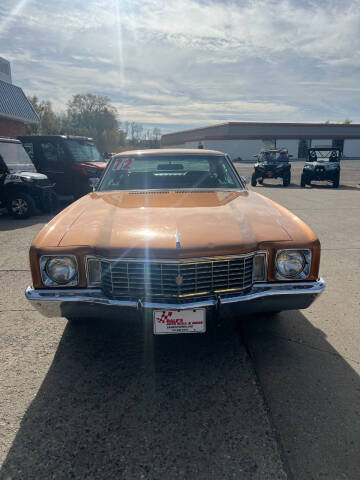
[(245, 179), (94, 182)]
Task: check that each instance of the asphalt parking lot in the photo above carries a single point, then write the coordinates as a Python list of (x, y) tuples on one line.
[(260, 398)]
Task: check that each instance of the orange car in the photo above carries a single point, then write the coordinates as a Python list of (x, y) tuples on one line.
[(175, 233)]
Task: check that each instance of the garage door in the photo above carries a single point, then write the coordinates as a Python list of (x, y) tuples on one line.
[(352, 148)]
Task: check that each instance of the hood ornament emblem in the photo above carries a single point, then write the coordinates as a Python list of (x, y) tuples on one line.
[(179, 280), (177, 237)]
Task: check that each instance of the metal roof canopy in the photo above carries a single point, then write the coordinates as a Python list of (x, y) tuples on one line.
[(263, 131), (14, 104), (9, 140)]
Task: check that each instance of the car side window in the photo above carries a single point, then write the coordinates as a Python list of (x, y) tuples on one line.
[(29, 147), (3, 168), (53, 152)]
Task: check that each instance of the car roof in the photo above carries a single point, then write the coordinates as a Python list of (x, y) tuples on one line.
[(276, 150), (169, 151), (323, 147), (9, 140), (71, 137)]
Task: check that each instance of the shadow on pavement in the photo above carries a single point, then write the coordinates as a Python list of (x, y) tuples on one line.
[(312, 393), (340, 187), (118, 403), (276, 185), (7, 222)]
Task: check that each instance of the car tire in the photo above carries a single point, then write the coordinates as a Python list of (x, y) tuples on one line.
[(20, 205), (253, 180), (302, 181), (286, 179), (336, 181), (75, 321)]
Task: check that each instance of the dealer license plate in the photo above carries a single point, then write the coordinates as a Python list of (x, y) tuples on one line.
[(179, 321)]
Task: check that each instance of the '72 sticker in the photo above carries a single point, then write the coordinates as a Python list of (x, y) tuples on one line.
[(122, 163)]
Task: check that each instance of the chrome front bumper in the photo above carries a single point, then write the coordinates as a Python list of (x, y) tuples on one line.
[(90, 303)]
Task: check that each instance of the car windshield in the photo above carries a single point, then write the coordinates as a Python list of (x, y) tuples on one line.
[(158, 172), (324, 155), (84, 151), (14, 154), (273, 156)]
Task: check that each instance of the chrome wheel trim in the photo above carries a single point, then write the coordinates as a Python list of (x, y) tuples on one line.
[(19, 206)]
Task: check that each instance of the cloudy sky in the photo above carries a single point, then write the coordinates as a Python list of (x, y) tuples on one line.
[(187, 63)]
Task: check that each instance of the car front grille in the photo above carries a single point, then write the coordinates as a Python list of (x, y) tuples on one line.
[(181, 280), (43, 182)]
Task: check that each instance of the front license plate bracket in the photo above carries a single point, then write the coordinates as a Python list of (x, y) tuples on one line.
[(167, 322)]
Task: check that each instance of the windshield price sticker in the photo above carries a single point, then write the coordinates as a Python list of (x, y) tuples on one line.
[(179, 321), (122, 164)]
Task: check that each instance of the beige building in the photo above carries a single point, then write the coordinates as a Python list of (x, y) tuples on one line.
[(245, 139)]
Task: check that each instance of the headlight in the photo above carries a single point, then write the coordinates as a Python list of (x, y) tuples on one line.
[(26, 178), (59, 270), (92, 171), (292, 264)]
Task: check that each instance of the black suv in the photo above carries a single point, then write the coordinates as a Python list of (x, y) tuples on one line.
[(21, 187), (72, 163), (323, 164), (272, 164)]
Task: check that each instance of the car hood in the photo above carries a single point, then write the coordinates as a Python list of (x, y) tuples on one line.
[(173, 224), (20, 168), (323, 163), (13, 175), (98, 165)]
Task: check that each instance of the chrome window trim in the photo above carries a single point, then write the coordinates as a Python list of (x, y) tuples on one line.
[(240, 187), (47, 281), (304, 274)]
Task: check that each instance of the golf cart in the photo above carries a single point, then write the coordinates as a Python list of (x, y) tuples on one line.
[(323, 164), (272, 164), (21, 187)]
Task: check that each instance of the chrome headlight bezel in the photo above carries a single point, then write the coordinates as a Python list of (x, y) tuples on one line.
[(49, 281), (305, 258)]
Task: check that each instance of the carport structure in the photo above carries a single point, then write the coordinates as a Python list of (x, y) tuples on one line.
[(245, 139)]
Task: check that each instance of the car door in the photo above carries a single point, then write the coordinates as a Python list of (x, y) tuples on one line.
[(54, 166)]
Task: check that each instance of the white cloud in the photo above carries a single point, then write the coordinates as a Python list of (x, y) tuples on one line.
[(192, 113), (189, 62)]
